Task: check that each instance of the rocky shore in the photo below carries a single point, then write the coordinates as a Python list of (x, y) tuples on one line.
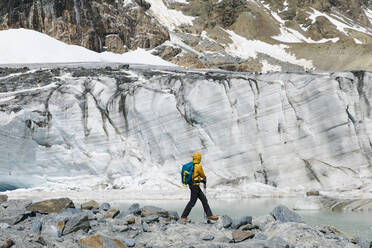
[(61, 223)]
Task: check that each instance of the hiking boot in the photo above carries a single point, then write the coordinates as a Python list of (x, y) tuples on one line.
[(212, 217), (185, 219)]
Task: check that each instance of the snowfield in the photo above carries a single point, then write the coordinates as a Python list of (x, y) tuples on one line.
[(23, 46)]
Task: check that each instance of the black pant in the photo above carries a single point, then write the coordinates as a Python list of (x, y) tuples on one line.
[(196, 193)]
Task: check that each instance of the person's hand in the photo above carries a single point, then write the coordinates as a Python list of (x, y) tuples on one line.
[(204, 180)]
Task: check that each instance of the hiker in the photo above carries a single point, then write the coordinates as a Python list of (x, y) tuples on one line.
[(196, 192)]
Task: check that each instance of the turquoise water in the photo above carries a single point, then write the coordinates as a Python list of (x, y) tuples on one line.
[(358, 224)]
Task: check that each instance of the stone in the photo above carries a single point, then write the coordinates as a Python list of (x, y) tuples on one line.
[(123, 214), (313, 193), (99, 241), (41, 241), (173, 215), (151, 218), (129, 242), (90, 205), (278, 242), (150, 210), (36, 226), (242, 221), (260, 236), (4, 226), (119, 228), (111, 213), (208, 237), (263, 221), (51, 206), (248, 227), (3, 198), (145, 227), (239, 236), (105, 206), (135, 209), (8, 243), (339, 232), (130, 219), (282, 214), (225, 221), (76, 222)]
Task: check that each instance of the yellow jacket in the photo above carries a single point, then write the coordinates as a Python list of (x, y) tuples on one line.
[(198, 169)]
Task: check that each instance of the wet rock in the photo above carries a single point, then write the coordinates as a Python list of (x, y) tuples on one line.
[(135, 209), (150, 210), (239, 236), (105, 206), (208, 237), (99, 241), (242, 221), (36, 226), (282, 214), (111, 213), (89, 205), (151, 218), (76, 222), (3, 198), (51, 206)]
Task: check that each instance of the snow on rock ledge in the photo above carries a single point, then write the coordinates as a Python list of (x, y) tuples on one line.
[(130, 129)]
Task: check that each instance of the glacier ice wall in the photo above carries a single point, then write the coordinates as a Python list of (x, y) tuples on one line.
[(124, 128)]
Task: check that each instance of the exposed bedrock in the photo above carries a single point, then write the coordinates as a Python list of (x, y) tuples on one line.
[(124, 128)]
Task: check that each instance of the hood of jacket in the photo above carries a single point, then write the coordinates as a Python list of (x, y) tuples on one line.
[(196, 158)]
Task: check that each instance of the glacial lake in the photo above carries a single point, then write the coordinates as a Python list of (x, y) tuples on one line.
[(358, 224)]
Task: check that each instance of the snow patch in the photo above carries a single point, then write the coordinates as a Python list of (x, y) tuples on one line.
[(244, 48), (267, 67), (27, 46), (169, 17)]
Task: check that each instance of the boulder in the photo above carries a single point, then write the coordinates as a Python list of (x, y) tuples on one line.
[(3, 198), (89, 205), (99, 241), (123, 214), (135, 209), (239, 235), (150, 210), (278, 242), (105, 206), (263, 221), (151, 218), (129, 242), (76, 222), (112, 213), (260, 236), (240, 222), (51, 206), (282, 214), (248, 227)]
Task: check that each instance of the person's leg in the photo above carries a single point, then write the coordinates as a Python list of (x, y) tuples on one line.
[(204, 201), (191, 203)]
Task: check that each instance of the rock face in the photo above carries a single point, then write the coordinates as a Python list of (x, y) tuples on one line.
[(114, 127), (97, 25), (51, 206), (283, 214)]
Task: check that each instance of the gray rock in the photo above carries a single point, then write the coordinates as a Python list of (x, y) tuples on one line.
[(51, 206), (135, 209), (105, 206), (148, 245), (4, 226), (145, 227), (123, 214), (282, 214), (173, 215), (129, 242), (208, 237), (150, 210), (260, 236), (151, 218), (225, 221), (278, 242), (239, 236), (76, 222), (36, 226), (118, 228), (263, 221), (248, 227), (242, 221)]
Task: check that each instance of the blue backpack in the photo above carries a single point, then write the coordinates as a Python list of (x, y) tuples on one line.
[(186, 173)]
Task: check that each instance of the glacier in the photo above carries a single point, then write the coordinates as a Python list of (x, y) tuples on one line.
[(110, 127)]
